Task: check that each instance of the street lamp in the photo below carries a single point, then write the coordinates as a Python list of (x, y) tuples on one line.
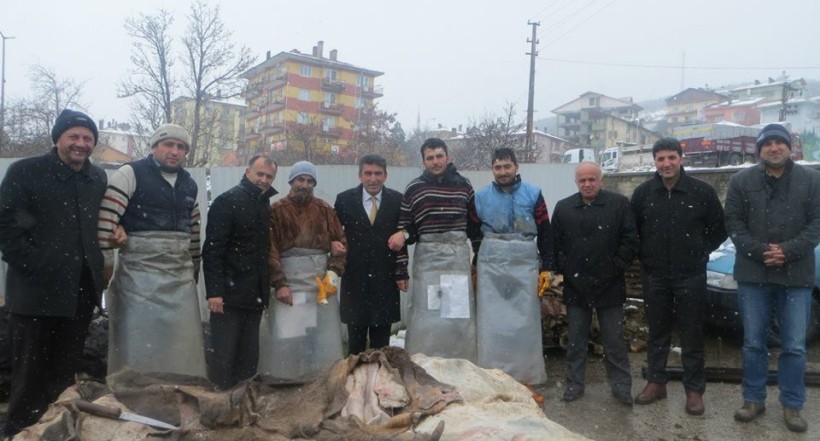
[(3, 88)]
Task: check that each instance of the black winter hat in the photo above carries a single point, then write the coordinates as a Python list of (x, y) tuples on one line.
[(72, 118), (773, 131)]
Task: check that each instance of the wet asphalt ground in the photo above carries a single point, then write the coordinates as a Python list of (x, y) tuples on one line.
[(599, 417)]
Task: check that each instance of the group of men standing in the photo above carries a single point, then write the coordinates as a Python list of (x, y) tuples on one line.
[(271, 271)]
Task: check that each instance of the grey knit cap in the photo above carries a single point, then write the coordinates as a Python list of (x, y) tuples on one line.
[(167, 131), (302, 168)]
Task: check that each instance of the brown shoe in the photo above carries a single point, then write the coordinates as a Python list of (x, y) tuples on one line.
[(651, 393), (793, 420), (749, 411), (694, 403)]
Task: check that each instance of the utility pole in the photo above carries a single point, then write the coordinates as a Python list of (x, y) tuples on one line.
[(532, 53), (3, 90), (784, 99), (683, 70)]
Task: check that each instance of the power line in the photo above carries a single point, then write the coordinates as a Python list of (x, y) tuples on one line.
[(567, 3), (551, 42), (566, 19), (662, 66)]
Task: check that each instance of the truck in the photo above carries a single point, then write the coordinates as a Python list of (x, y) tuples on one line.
[(575, 156), (717, 144), (724, 143), (627, 156)]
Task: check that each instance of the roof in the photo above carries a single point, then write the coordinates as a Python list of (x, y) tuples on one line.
[(281, 57), (692, 94)]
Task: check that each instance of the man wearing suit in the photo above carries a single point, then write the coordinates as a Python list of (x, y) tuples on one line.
[(369, 213)]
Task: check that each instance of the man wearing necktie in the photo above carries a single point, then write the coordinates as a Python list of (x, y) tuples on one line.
[(369, 213)]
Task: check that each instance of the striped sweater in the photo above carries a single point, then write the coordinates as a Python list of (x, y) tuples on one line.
[(433, 205), (121, 187)]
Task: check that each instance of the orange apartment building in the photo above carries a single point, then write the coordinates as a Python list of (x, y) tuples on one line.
[(292, 95)]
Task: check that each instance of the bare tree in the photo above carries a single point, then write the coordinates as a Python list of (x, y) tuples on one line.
[(149, 82), (304, 138), (213, 64), (483, 137), (379, 132), (29, 120)]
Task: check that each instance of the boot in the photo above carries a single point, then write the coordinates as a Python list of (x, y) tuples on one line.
[(749, 411), (651, 393), (793, 420), (694, 403)]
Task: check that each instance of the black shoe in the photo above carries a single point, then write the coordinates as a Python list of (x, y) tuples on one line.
[(572, 394), (623, 398)]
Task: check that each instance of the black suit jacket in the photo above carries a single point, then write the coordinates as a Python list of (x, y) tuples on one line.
[(369, 294)]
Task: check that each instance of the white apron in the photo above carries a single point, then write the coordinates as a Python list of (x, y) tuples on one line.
[(442, 309), (155, 324), (300, 341), (508, 309)]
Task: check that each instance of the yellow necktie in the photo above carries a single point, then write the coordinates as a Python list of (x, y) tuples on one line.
[(373, 209)]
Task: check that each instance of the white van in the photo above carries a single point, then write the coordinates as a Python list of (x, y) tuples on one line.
[(575, 156)]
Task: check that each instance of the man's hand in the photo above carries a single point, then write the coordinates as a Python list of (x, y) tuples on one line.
[(396, 241), (216, 306), (774, 257), (120, 237), (284, 295), (544, 282), (402, 285), (337, 248)]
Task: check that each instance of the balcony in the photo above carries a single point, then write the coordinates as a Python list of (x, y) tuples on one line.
[(252, 135), (334, 132), (272, 128), (333, 85), (278, 103), (372, 92), (331, 108), (279, 81)]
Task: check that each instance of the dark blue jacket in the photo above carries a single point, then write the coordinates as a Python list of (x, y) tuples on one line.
[(237, 241), (155, 204), (48, 233)]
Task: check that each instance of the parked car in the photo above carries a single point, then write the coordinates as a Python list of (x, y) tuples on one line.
[(721, 289)]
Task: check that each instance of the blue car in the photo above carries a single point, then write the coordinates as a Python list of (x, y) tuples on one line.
[(721, 289)]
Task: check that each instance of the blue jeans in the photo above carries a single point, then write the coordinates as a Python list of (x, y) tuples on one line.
[(792, 304)]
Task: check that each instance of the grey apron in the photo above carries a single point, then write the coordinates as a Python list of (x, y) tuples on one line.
[(442, 309), (300, 341), (155, 323), (508, 309)]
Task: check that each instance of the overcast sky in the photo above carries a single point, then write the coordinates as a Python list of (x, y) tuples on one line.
[(449, 61)]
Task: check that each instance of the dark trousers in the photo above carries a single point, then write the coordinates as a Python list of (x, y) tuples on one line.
[(616, 360), (234, 346), (357, 337), (46, 352), (669, 301)]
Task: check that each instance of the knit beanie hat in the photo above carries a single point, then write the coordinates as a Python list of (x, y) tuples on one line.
[(72, 118), (773, 131), (302, 168), (167, 131)]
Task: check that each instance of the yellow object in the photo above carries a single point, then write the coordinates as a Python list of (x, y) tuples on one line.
[(326, 287), (544, 281)]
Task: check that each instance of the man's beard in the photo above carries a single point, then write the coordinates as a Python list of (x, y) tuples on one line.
[(301, 195)]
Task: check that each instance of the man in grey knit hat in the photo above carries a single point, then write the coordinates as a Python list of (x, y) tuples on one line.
[(773, 217)]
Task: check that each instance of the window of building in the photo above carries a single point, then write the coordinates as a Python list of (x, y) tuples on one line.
[(306, 70), (330, 74), (738, 117), (362, 81), (359, 102), (329, 123), (330, 98), (718, 118), (302, 118), (304, 94)]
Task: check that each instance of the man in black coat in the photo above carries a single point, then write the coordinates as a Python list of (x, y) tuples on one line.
[(48, 236), (595, 240), (237, 276), (369, 213), (680, 221)]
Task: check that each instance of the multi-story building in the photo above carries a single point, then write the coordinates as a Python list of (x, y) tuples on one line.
[(305, 106), (802, 114), (686, 107), (221, 127), (744, 112), (595, 120)]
